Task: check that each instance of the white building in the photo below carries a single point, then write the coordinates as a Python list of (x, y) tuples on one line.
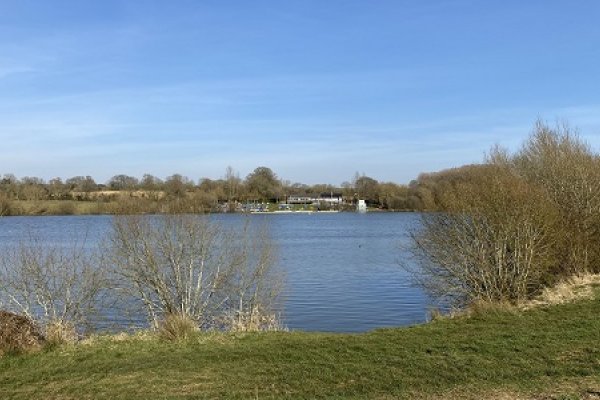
[(361, 206)]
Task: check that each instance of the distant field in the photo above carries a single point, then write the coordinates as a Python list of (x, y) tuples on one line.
[(60, 207), (544, 353)]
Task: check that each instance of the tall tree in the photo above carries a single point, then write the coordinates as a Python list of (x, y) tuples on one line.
[(123, 182), (263, 184), (232, 184), (82, 184), (177, 185), (151, 182), (367, 188)]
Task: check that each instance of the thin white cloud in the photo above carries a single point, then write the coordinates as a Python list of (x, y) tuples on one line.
[(7, 71)]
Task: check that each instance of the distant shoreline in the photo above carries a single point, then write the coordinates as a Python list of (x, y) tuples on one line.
[(87, 207)]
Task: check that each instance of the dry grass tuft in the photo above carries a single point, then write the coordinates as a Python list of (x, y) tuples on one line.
[(254, 321), (177, 327), (18, 334), (575, 288), (60, 332)]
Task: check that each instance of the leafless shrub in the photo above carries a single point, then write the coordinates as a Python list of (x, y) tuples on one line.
[(558, 161), (494, 243), (59, 288), (188, 266), (516, 224)]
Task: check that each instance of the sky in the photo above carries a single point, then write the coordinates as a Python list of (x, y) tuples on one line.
[(315, 90)]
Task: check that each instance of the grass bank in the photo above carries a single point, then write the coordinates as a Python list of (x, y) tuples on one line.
[(549, 352)]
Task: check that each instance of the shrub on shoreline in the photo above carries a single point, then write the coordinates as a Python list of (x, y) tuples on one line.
[(516, 224)]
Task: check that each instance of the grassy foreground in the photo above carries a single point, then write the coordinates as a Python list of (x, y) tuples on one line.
[(547, 353)]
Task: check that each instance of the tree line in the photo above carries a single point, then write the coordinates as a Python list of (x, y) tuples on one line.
[(124, 194), (180, 193)]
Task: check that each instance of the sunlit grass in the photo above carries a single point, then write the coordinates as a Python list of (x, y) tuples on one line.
[(550, 350)]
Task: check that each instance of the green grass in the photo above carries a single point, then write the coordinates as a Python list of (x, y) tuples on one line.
[(554, 351)]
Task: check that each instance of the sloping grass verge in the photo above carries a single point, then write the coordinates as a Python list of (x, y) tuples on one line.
[(550, 352)]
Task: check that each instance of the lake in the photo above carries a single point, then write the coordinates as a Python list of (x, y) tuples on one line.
[(342, 270)]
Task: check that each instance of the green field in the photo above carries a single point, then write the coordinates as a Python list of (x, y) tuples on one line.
[(551, 352)]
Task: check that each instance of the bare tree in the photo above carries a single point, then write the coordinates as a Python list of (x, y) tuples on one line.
[(32, 188), (150, 182), (232, 187), (187, 265), (123, 182), (254, 284), (57, 189), (9, 185), (176, 186), (81, 184), (59, 288)]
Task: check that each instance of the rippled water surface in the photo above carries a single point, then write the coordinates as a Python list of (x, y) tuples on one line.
[(342, 270)]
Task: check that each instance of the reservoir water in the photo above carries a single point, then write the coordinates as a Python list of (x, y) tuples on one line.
[(342, 270)]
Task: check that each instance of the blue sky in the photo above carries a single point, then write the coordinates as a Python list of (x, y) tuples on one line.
[(315, 90)]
